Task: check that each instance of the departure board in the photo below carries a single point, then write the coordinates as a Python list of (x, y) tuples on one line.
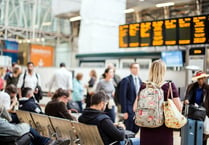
[(134, 35), (184, 25), (175, 31), (157, 33), (170, 32), (145, 33), (123, 36), (199, 30)]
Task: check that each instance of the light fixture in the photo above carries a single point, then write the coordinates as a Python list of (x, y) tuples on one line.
[(77, 18), (165, 4), (46, 23), (129, 11)]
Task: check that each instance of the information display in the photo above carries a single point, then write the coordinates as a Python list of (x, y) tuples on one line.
[(145, 33), (176, 31), (199, 30), (170, 32), (123, 36), (134, 35), (157, 33), (184, 30)]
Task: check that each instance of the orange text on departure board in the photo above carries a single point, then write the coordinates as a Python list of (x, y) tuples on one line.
[(123, 36), (133, 35), (199, 29), (184, 26), (170, 25), (157, 27), (145, 33)]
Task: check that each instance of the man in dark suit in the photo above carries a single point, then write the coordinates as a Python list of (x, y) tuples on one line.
[(129, 88)]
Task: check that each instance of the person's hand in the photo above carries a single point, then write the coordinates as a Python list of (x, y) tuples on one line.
[(125, 116), (186, 102), (120, 124), (36, 91)]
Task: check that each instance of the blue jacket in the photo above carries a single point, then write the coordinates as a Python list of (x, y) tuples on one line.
[(29, 104)]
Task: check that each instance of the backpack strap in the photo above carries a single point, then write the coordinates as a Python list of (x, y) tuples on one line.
[(37, 79), (23, 84), (170, 91)]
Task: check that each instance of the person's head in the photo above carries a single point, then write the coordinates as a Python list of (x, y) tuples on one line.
[(61, 95), (79, 76), (111, 65), (93, 73), (134, 68), (157, 72), (30, 66), (200, 77), (17, 69), (99, 100), (11, 90), (108, 73), (27, 92), (62, 64)]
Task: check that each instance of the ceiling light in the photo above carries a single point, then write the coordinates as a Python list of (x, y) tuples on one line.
[(129, 11), (141, 0), (75, 18), (165, 4), (46, 23)]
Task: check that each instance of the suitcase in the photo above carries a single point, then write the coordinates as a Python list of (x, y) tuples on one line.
[(188, 133), (199, 133)]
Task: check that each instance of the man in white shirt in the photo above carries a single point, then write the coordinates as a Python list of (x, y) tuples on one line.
[(29, 78), (8, 96), (62, 78)]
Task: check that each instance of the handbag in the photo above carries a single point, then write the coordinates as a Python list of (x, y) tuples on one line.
[(173, 118), (195, 112), (206, 125)]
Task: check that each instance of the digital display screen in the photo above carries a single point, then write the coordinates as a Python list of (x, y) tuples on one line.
[(145, 33), (184, 25), (172, 58), (133, 35), (199, 30), (175, 31), (170, 32), (123, 36), (157, 33)]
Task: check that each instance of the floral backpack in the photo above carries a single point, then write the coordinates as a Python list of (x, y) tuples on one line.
[(149, 112)]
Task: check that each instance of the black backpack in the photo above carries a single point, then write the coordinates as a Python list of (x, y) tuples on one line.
[(117, 91)]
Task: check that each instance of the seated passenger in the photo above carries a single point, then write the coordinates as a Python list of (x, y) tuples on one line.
[(94, 115), (8, 98), (28, 102), (22, 134), (58, 105)]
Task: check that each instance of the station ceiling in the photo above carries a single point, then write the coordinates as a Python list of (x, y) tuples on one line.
[(143, 4)]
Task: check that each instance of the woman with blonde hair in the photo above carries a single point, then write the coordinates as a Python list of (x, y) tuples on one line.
[(160, 135)]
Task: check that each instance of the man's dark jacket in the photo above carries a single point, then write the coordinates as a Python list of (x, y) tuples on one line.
[(109, 133)]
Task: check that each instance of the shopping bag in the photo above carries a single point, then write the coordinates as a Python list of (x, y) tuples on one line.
[(206, 125), (173, 118)]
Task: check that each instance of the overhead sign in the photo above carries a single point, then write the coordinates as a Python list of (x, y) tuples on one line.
[(178, 31)]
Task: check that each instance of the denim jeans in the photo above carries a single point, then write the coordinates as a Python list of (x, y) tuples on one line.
[(135, 141), (38, 139), (111, 113)]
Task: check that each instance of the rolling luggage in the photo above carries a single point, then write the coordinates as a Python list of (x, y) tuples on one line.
[(188, 133), (199, 133), (192, 133)]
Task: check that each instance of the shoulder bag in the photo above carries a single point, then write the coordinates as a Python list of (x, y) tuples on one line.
[(173, 118)]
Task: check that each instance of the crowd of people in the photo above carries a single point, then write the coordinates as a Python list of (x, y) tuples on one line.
[(106, 97)]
